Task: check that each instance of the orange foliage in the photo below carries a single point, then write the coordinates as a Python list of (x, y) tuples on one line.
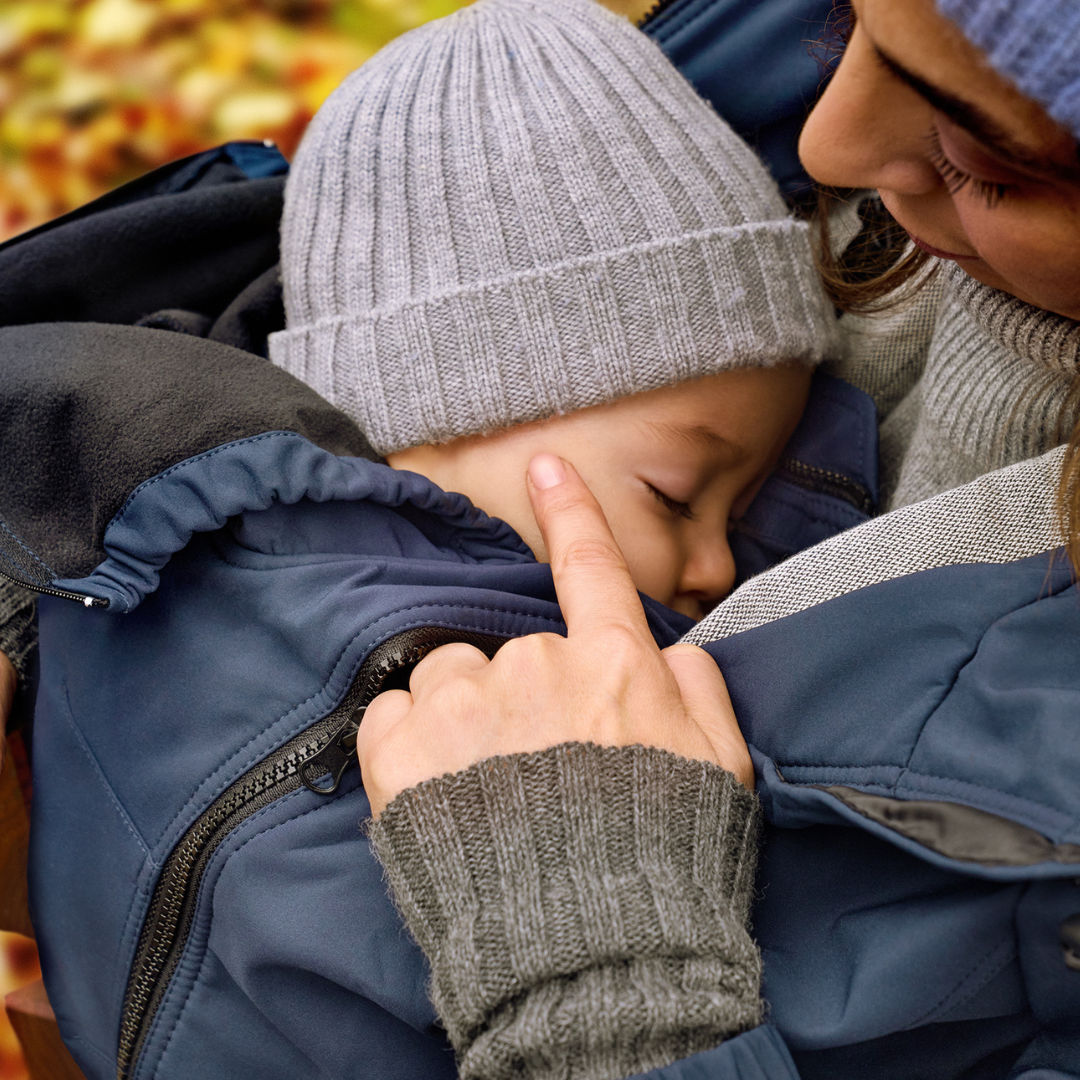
[(18, 966), (96, 92)]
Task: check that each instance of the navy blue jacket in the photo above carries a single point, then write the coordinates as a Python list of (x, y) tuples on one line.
[(199, 878), (911, 707)]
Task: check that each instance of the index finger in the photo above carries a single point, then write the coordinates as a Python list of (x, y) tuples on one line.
[(592, 580)]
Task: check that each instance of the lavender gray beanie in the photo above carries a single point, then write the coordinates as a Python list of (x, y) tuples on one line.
[(1035, 43), (522, 210)]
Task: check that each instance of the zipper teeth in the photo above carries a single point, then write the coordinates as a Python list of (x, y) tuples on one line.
[(165, 917), (168, 918), (63, 594), (828, 482)]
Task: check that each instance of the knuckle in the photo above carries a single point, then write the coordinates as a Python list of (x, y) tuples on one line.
[(452, 654), (589, 553), (526, 654), (623, 646), (447, 660)]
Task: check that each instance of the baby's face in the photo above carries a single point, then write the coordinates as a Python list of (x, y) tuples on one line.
[(671, 469)]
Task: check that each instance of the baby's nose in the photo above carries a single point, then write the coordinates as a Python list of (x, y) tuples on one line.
[(709, 572)]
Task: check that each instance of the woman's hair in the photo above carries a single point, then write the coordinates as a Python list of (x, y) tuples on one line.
[(867, 276), (881, 268)]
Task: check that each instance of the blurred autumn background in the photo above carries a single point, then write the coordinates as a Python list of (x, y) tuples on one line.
[(96, 92)]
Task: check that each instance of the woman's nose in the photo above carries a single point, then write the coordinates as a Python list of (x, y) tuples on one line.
[(869, 130)]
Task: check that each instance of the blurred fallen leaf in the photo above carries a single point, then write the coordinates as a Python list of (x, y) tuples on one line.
[(96, 92)]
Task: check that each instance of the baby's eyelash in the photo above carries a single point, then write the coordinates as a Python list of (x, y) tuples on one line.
[(956, 179), (680, 509)]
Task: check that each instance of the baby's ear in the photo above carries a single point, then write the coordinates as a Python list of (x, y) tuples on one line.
[(421, 459)]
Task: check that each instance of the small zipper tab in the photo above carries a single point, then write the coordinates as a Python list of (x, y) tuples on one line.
[(63, 594), (335, 757)]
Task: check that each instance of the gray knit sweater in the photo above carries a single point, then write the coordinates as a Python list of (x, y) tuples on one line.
[(967, 379), (584, 909)]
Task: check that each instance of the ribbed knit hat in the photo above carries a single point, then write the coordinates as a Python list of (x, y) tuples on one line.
[(522, 210), (1035, 43)]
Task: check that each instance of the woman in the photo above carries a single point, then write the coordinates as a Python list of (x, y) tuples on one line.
[(965, 117)]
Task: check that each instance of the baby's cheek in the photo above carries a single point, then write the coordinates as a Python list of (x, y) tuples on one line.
[(653, 560)]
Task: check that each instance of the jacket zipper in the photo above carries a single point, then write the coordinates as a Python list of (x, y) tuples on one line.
[(64, 594), (327, 747), (826, 482)]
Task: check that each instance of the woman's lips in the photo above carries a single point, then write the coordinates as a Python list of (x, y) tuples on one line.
[(937, 252)]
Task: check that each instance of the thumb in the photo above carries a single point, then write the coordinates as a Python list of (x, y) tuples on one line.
[(705, 697)]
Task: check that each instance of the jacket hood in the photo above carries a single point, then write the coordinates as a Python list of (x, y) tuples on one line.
[(279, 469)]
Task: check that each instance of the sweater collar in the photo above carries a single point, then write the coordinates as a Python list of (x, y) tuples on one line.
[(1048, 340)]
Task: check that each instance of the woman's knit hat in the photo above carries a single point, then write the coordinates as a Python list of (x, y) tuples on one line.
[(1035, 43), (522, 210)]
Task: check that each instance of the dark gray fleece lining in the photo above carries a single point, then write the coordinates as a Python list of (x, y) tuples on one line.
[(88, 411)]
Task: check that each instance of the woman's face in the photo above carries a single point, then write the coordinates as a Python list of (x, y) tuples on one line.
[(973, 170)]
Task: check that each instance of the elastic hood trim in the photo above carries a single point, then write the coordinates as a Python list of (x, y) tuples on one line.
[(201, 493)]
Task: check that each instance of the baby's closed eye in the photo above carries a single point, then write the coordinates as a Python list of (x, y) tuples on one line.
[(679, 509)]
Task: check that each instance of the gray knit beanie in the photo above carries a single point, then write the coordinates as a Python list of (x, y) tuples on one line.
[(522, 210)]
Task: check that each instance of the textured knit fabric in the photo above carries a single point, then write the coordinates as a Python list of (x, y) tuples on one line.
[(885, 354), (18, 627), (994, 391), (1035, 43), (523, 210), (967, 380), (583, 908), (1001, 517)]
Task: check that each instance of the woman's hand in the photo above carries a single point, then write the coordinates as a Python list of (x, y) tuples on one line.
[(605, 683)]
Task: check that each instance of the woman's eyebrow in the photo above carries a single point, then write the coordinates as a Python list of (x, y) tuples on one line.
[(973, 120)]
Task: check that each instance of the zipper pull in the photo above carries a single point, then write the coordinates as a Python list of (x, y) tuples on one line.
[(335, 757)]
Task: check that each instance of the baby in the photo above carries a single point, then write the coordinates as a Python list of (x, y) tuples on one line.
[(519, 229)]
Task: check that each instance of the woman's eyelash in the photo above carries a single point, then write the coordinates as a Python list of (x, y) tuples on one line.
[(956, 179), (680, 509)]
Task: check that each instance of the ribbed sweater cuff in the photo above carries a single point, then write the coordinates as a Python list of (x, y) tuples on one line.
[(583, 908), (18, 627)]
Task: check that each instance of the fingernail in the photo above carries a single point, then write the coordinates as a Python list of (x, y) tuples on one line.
[(546, 470)]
